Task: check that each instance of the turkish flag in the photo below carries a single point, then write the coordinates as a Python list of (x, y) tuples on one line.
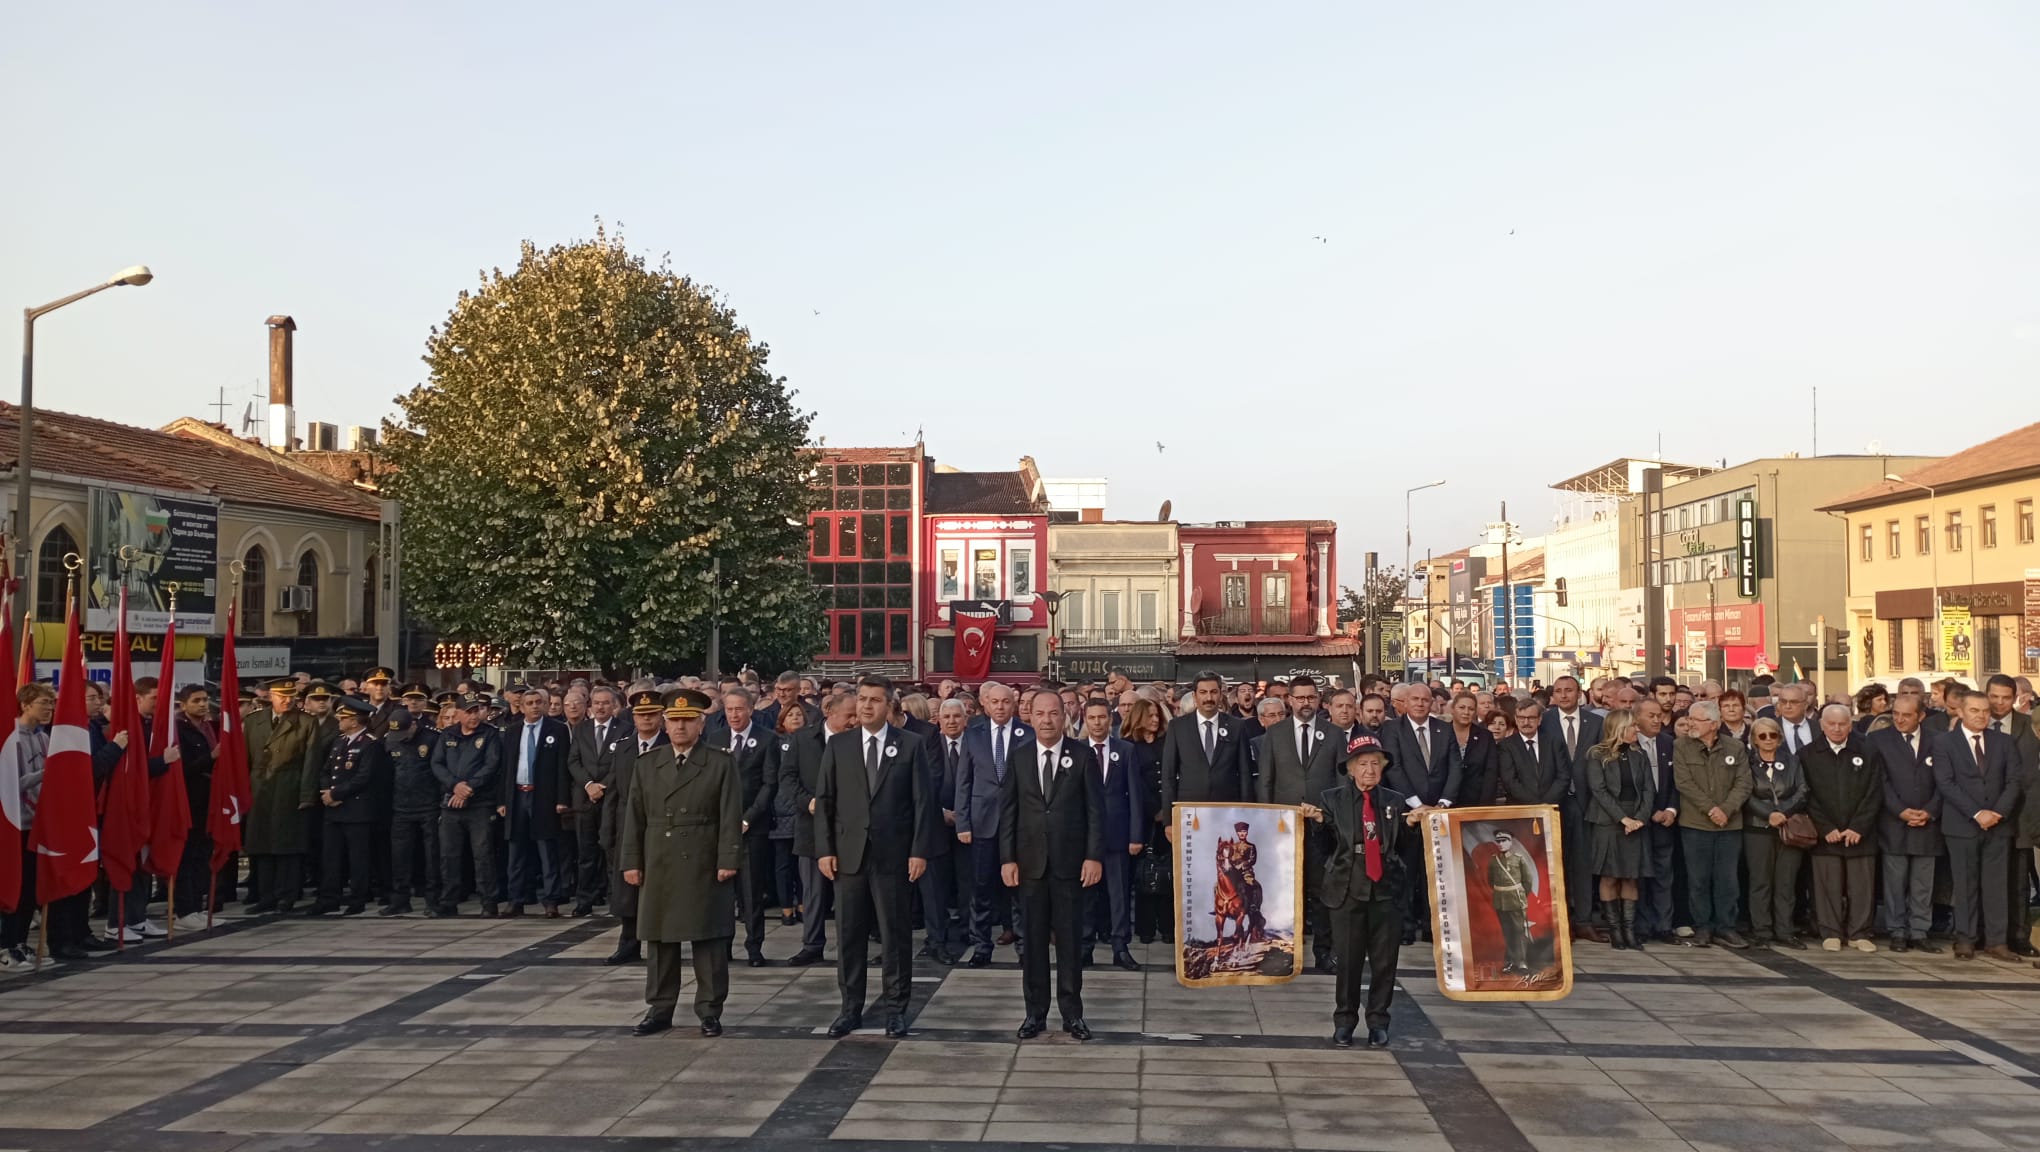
[(125, 804), (66, 832), (231, 792), (8, 684), (975, 632), (169, 804)]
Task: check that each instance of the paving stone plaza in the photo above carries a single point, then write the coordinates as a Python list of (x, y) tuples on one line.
[(510, 1034)]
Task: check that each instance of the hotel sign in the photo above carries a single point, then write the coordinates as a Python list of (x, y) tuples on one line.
[(1746, 548)]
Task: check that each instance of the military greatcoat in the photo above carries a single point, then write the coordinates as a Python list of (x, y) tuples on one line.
[(684, 821), (277, 748)]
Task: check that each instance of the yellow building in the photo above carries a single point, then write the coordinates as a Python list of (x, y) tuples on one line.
[(1957, 533)]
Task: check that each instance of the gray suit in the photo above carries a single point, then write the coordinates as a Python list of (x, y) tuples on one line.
[(979, 777)]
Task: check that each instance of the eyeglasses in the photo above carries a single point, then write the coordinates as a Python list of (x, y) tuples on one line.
[(1769, 736)]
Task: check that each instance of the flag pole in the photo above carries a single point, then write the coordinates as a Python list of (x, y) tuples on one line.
[(72, 563), (166, 710), (42, 939), (212, 889), (120, 937)]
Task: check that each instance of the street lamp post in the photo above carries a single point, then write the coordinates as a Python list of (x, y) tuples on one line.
[(1933, 553), (24, 465), (1406, 558)]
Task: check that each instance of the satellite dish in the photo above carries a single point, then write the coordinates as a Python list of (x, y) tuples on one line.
[(1167, 507)]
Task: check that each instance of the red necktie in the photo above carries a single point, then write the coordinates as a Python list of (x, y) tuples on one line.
[(1372, 841)]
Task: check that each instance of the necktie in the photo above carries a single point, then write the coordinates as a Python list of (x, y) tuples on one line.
[(1047, 770), (1571, 738), (1369, 837), (1531, 743), (644, 746), (999, 751), (871, 763), (952, 755), (530, 749), (1303, 743), (1103, 760), (1910, 745), (1210, 742), (1977, 741), (1424, 742), (736, 741)]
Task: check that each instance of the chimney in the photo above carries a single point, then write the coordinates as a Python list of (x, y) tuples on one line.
[(282, 417)]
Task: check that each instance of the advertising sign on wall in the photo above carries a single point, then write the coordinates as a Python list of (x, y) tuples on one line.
[(165, 541)]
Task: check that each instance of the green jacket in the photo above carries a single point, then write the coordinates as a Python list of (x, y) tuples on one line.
[(1717, 777), (1508, 877), (683, 822), (279, 774)]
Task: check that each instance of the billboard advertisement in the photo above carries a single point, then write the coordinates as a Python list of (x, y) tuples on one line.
[(166, 541)]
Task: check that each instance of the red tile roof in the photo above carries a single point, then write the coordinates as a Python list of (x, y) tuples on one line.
[(90, 449), (980, 493), (2009, 457)]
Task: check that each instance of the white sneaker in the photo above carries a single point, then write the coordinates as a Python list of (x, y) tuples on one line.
[(127, 936), (6, 958), (1831, 944), (1863, 945), (191, 922), (1683, 931), (152, 929)]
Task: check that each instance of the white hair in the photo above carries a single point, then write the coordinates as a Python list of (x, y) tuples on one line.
[(1704, 710)]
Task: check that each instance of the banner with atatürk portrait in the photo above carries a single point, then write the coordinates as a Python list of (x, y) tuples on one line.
[(1498, 913), (1239, 893)]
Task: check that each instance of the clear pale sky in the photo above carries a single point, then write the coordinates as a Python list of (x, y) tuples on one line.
[(1071, 232)]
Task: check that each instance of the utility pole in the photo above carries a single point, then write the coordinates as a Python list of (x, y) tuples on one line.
[(1649, 543), (1506, 669), (1430, 628), (1372, 629)]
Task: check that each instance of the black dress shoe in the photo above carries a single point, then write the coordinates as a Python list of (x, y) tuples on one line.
[(515, 911), (804, 957), (757, 960), (981, 959), (581, 910), (1377, 1037), (1125, 960), (1029, 1029), (654, 1023), (711, 1027), (1085, 960), (354, 910), (489, 912), (845, 1025), (97, 944), (322, 909), (624, 954), (402, 909), (70, 952), (1077, 1029), (439, 911), (896, 1027), (1928, 946), (259, 908), (2023, 948), (1898, 944), (1342, 1037)]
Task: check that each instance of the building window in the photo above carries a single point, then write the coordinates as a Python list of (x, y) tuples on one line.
[(1023, 571), (1955, 530), (1108, 613), (846, 536), (1869, 543), (1923, 536), (255, 592), (1989, 652), (984, 574), (1073, 611), (368, 597), (2023, 510), (818, 536), (950, 585), (1893, 538), (308, 576), (1986, 526), (50, 578), (1150, 613), (1894, 651), (1930, 644), (1275, 604)]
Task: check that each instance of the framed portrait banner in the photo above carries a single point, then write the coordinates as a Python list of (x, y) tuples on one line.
[(1498, 912), (1239, 894)]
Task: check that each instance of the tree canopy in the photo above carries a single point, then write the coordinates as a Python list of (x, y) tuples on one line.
[(594, 437)]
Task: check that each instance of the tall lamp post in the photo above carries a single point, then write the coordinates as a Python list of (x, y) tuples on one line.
[(1934, 552), (1406, 562), (24, 466)]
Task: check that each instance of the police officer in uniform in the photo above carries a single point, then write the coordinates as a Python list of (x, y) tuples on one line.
[(683, 843), (378, 688), (317, 702), (355, 760), (467, 763), (414, 804), (647, 717)]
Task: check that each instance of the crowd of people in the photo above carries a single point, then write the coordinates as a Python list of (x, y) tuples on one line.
[(986, 816)]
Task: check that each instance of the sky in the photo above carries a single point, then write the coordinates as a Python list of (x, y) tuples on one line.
[(1551, 235)]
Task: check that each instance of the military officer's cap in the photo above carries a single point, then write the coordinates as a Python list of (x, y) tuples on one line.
[(1362, 744), (517, 686), (379, 675), (248, 692), (282, 685), (352, 705), (473, 701), (646, 703), (320, 690), (414, 691), (686, 704), (445, 698)]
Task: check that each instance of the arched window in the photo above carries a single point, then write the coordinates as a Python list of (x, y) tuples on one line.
[(50, 576), (308, 575), (255, 592), (368, 597)]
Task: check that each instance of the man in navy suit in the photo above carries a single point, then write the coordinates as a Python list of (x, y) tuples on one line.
[(1909, 832), (939, 886), (980, 774), (1051, 833), (1661, 892), (1204, 752), (1576, 730), (1977, 772), (1422, 769), (1110, 912)]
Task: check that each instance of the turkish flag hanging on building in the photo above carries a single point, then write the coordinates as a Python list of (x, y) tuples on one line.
[(230, 795), (66, 832), (975, 632)]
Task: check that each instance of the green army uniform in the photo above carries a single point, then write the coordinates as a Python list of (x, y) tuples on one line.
[(275, 825), (1508, 877)]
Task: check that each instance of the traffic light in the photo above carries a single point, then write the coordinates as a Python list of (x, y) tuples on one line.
[(1837, 641), (1558, 586)]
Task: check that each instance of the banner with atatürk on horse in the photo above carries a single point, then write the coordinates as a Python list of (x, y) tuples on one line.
[(1239, 893)]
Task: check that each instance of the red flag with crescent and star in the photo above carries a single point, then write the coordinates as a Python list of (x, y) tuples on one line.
[(66, 832), (169, 807), (230, 796), (975, 632)]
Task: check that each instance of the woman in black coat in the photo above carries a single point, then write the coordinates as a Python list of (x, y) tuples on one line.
[(1620, 801), (1153, 914), (1473, 747)]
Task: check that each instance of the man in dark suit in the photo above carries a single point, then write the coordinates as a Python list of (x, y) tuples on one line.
[(939, 888), (1299, 761), (1121, 840), (1845, 798), (1051, 848), (592, 756), (875, 825), (531, 803), (1909, 834), (1977, 773), (1362, 887), (1203, 752), (1422, 770), (757, 757), (786, 694), (800, 768), (1575, 729), (1663, 895), (980, 775), (1533, 767), (2003, 692)]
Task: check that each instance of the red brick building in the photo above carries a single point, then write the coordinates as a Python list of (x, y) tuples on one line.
[(864, 553), (1260, 600), (987, 541)]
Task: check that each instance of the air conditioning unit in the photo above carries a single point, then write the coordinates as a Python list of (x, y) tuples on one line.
[(360, 438), (321, 437), (294, 598)]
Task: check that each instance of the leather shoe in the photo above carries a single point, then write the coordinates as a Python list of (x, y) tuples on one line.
[(711, 1027), (1731, 939), (1377, 1037), (1927, 946), (1342, 1037), (896, 1027), (757, 960), (581, 910), (516, 910), (654, 1023), (1964, 950), (1007, 937), (2001, 953), (1077, 1029), (1899, 944), (845, 1025), (804, 957), (981, 959), (624, 954), (1029, 1029), (2024, 948), (1126, 961)]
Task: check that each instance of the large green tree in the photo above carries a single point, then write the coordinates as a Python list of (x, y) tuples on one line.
[(598, 466)]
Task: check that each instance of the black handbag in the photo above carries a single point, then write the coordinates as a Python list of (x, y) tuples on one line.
[(1154, 875)]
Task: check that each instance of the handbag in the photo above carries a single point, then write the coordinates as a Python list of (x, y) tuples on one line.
[(1797, 830), (1152, 876)]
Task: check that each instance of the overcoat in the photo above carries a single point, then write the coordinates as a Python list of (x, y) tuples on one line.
[(683, 821), (277, 775)]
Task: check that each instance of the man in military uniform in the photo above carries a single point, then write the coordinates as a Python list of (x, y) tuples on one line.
[(278, 738), (414, 803), (683, 843), (316, 699), (346, 790), (1509, 879), (377, 687), (647, 717), (467, 763)]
